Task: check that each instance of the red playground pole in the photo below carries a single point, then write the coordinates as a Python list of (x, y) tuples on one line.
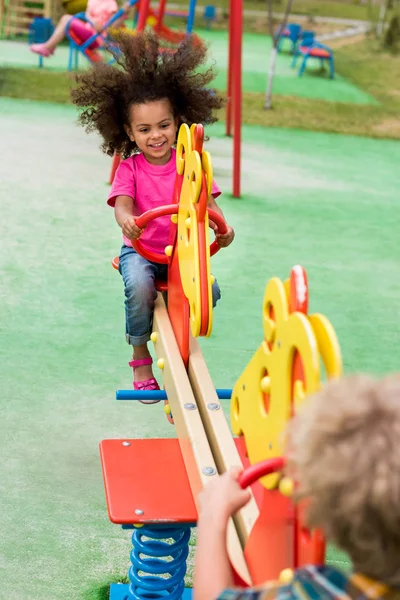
[(230, 69), (143, 14), (114, 166), (237, 93), (160, 15)]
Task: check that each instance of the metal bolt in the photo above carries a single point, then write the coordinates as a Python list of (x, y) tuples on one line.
[(208, 471), (270, 446), (139, 511), (243, 387), (126, 443), (278, 344), (190, 406), (213, 406)]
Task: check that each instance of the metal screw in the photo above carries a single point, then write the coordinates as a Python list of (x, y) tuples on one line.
[(126, 443), (208, 471), (270, 446), (139, 511), (243, 387), (278, 344), (190, 406), (213, 406)]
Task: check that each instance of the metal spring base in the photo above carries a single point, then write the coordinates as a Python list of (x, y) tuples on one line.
[(158, 559)]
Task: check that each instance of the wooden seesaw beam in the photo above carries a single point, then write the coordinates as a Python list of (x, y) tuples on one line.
[(205, 440)]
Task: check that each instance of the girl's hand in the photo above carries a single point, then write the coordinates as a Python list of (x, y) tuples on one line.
[(224, 239), (223, 497), (130, 229)]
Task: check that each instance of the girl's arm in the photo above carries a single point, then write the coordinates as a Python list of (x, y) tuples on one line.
[(123, 215), (219, 500), (213, 570)]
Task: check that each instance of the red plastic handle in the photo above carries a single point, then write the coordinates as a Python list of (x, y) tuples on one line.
[(255, 472), (142, 221), (171, 209), (154, 213), (222, 228)]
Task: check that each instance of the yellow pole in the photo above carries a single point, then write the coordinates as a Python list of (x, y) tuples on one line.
[(47, 9)]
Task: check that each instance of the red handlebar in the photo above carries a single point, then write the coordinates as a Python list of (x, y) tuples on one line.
[(265, 467), (222, 228), (154, 213), (170, 209)]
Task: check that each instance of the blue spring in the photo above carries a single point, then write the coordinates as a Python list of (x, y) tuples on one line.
[(159, 566)]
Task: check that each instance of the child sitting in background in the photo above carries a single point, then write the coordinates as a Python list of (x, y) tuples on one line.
[(97, 11), (342, 451)]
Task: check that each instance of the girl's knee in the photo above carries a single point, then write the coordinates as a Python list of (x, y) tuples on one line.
[(216, 293), (140, 290)]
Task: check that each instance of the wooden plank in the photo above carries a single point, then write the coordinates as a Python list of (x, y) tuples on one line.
[(195, 450), (192, 437), (15, 30), (218, 432), (25, 11), (48, 9)]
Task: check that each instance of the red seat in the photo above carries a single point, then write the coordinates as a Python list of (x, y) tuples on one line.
[(315, 52), (161, 286)]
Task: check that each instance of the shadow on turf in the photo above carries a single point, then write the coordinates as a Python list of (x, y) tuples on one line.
[(102, 592)]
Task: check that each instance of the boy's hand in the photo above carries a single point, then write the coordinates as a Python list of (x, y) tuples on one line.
[(223, 497), (224, 239), (130, 229)]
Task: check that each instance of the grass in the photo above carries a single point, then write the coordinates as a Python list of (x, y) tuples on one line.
[(327, 8), (363, 63)]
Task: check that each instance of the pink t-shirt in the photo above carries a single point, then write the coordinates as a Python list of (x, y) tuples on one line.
[(150, 186)]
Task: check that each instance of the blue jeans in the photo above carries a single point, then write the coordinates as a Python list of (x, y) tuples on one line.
[(139, 277)]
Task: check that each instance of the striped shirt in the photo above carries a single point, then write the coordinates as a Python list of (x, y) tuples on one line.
[(317, 583)]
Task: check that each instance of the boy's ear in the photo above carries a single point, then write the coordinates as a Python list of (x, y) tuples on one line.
[(129, 133)]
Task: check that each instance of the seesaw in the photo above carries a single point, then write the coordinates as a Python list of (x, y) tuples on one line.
[(152, 485)]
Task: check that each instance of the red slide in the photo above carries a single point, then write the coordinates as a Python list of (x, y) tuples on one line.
[(169, 35)]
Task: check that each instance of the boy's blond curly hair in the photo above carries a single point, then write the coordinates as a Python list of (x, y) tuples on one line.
[(343, 448)]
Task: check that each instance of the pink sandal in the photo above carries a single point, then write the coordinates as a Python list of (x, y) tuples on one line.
[(148, 384), (42, 50)]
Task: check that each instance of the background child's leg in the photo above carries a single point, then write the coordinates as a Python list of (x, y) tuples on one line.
[(216, 293), (57, 36)]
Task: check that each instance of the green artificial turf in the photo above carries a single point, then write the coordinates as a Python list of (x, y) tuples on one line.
[(327, 202)]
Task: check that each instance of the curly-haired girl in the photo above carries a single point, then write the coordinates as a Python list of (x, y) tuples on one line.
[(137, 107)]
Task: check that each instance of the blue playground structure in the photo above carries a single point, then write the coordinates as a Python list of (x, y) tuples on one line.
[(310, 49), (292, 33)]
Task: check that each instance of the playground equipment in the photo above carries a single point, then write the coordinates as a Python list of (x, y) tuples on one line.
[(152, 485), (90, 47), (311, 49), (292, 33), (145, 15), (234, 88), (16, 15)]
